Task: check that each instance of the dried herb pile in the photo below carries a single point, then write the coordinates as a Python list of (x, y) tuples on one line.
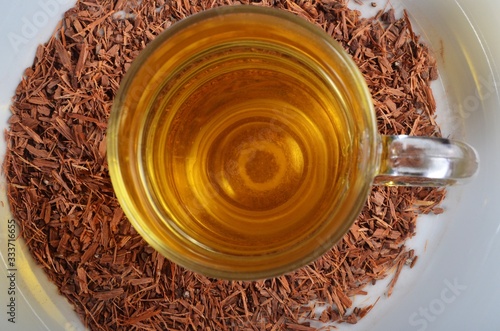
[(60, 192)]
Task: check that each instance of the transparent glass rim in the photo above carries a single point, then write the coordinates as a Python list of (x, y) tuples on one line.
[(118, 163)]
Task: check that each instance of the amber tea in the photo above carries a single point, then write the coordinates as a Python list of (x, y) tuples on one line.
[(251, 152)]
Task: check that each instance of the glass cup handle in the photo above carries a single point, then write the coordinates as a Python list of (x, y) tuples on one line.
[(424, 161)]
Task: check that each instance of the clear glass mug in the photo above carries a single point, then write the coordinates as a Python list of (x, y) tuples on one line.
[(242, 144)]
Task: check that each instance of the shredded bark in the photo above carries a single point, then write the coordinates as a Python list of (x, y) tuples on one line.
[(60, 192)]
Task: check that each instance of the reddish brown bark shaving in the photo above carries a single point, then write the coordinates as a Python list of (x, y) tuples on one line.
[(60, 192)]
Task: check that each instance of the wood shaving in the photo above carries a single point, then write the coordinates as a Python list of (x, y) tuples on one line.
[(60, 192)]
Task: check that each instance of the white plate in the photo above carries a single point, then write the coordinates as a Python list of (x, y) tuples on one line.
[(454, 285)]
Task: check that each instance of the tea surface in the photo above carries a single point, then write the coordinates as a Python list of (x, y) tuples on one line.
[(247, 149)]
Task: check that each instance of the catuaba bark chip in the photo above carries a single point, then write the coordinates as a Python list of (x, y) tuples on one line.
[(61, 196)]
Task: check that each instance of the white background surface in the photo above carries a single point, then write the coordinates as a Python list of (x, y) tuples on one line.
[(454, 285)]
